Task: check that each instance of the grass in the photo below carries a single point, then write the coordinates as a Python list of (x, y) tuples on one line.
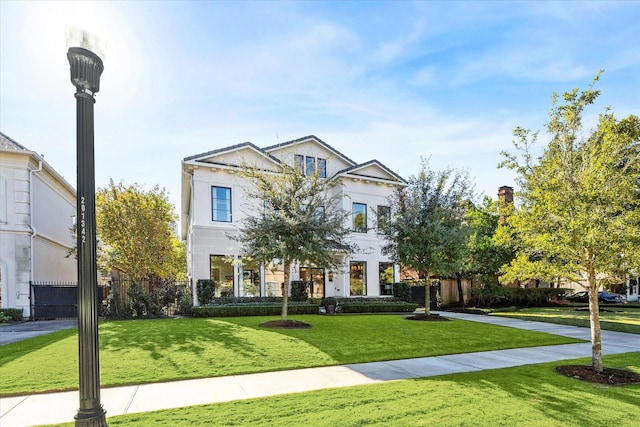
[(137, 352), (613, 318), (531, 395)]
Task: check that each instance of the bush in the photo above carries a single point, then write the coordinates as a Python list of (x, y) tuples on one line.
[(299, 290), (252, 309), (10, 315), (490, 296), (328, 301), (206, 291), (402, 291), (376, 306)]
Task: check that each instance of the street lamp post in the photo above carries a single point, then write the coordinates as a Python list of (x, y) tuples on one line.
[(86, 68)]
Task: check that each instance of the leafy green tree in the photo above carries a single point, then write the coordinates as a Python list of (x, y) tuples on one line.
[(135, 228), (486, 255), (427, 230), (578, 217), (293, 217)]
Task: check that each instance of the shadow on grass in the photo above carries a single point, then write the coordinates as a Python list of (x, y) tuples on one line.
[(16, 350), (559, 398), (186, 335)]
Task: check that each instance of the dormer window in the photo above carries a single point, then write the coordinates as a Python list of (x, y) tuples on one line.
[(311, 165)]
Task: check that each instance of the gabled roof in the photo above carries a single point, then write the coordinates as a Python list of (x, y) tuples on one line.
[(236, 147), (355, 169), (310, 138), (7, 143)]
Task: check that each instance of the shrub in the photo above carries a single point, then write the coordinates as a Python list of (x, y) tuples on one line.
[(499, 296), (10, 315), (328, 301), (299, 290), (206, 291), (402, 291), (382, 305), (252, 309)]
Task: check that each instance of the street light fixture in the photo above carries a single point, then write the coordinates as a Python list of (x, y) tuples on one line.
[(86, 68)]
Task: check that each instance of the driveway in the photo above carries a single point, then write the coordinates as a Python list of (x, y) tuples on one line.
[(21, 331)]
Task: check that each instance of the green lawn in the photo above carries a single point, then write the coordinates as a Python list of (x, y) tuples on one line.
[(531, 395), (136, 352), (613, 318)]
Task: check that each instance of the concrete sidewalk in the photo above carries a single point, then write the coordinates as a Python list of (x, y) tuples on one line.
[(60, 407)]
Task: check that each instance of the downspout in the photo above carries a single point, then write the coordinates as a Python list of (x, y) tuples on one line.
[(194, 297), (34, 233)]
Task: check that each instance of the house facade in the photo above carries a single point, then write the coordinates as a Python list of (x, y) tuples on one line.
[(37, 207), (214, 204)]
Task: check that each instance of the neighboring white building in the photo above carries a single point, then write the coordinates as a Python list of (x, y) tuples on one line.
[(37, 207), (214, 205)]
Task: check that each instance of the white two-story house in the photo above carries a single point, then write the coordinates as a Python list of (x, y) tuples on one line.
[(37, 207), (214, 205)]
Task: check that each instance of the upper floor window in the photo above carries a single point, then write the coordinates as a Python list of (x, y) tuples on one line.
[(322, 167), (311, 165), (220, 204), (300, 162), (359, 214), (384, 215)]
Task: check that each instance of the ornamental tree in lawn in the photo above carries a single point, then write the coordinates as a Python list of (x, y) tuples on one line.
[(578, 217), (427, 230), (293, 217)]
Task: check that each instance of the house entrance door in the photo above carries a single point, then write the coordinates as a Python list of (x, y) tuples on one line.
[(315, 277)]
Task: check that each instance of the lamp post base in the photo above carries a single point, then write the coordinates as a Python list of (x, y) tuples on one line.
[(91, 418)]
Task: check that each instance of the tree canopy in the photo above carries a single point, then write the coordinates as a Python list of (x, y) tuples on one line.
[(427, 231), (578, 217), (135, 228), (293, 217)]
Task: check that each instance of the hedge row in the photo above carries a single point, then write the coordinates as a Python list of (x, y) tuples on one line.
[(251, 309), (378, 307), (10, 315), (499, 296)]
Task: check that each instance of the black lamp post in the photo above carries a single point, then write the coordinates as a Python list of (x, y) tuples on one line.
[(86, 68)]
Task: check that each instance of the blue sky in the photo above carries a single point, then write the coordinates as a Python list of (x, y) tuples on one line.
[(392, 81)]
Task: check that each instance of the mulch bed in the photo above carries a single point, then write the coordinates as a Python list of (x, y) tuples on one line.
[(286, 324), (429, 318), (608, 376)]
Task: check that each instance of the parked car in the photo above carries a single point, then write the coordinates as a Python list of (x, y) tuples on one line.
[(605, 297), (609, 298), (582, 296)]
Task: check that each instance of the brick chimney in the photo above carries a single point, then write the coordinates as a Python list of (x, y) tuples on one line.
[(505, 194)]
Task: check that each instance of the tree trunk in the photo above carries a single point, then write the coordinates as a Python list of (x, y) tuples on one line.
[(460, 292), (285, 290), (427, 294), (594, 320)]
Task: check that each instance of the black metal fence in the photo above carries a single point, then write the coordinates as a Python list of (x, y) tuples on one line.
[(57, 300)]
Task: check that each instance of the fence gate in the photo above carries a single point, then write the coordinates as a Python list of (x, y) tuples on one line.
[(53, 300)]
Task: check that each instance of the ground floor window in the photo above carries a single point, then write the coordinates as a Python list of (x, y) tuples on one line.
[(315, 277), (250, 278), (385, 278), (274, 278), (221, 272), (357, 278)]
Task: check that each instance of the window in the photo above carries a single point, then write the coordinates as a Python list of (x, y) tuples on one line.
[(220, 204), (319, 213), (357, 278), (384, 214), (322, 167), (300, 162), (221, 272), (385, 278), (311, 165), (359, 213)]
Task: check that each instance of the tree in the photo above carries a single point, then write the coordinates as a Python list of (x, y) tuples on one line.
[(579, 214), (135, 228), (427, 230), (486, 255), (293, 217)]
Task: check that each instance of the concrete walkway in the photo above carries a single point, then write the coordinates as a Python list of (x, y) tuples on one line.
[(61, 407)]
